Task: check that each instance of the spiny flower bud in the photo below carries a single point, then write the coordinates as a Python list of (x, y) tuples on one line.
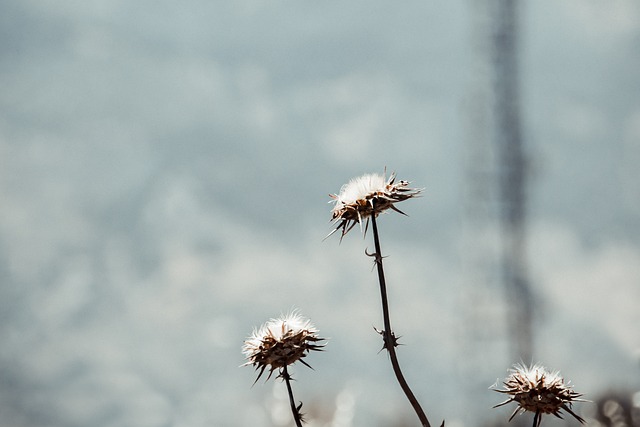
[(281, 342), (366, 196), (539, 391)]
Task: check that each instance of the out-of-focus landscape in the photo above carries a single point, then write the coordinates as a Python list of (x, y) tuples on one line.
[(164, 178)]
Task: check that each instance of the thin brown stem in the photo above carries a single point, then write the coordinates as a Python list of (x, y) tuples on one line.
[(296, 413), (389, 337)]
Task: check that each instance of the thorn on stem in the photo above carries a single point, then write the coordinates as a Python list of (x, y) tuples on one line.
[(385, 338), (376, 255)]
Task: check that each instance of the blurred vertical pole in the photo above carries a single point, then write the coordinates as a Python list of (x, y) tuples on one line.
[(495, 327), (512, 174), (482, 330)]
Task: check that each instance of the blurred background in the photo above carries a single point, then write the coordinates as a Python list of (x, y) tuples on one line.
[(164, 178)]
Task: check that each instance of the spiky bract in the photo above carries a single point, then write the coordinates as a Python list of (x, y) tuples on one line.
[(539, 391), (365, 196), (281, 342)]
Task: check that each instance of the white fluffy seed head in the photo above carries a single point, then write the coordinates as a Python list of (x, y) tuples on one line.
[(365, 196), (281, 342), (538, 390), (360, 188)]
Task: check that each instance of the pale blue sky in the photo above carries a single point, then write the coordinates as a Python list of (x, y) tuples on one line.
[(164, 172)]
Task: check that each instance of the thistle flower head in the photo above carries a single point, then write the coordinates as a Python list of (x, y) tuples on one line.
[(281, 342), (366, 196), (539, 391)]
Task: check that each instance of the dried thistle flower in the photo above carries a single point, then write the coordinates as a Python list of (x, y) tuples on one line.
[(539, 391), (281, 342), (367, 195)]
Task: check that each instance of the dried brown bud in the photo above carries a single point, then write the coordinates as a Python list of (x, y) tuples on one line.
[(365, 196), (281, 342), (539, 391)]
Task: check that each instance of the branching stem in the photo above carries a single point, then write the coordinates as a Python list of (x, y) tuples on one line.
[(389, 338)]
